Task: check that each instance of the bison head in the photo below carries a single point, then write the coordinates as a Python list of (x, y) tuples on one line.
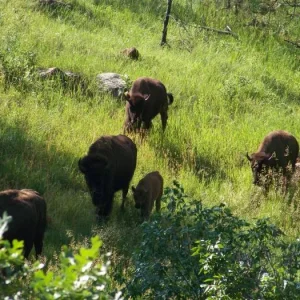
[(136, 102), (139, 195), (96, 170), (260, 163)]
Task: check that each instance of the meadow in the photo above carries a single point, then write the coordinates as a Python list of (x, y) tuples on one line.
[(229, 92)]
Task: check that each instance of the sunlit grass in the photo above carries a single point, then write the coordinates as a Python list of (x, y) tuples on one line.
[(228, 94)]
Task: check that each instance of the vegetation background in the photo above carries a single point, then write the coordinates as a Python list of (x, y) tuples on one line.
[(230, 90)]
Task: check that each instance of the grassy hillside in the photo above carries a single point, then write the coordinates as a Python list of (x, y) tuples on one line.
[(230, 91)]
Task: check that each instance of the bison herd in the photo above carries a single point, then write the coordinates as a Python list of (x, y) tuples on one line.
[(110, 163)]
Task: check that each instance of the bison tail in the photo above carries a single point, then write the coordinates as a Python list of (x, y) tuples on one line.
[(171, 98)]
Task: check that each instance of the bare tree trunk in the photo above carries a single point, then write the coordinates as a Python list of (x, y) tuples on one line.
[(166, 21)]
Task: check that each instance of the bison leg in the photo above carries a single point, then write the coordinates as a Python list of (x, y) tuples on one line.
[(38, 245), (38, 242), (124, 194), (157, 203), (27, 248), (164, 119)]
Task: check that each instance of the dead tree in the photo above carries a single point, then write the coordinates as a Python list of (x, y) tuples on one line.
[(166, 21)]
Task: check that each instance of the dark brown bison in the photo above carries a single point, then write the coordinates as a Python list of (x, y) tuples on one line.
[(108, 167), (277, 150), (132, 53), (28, 210), (148, 191), (146, 98)]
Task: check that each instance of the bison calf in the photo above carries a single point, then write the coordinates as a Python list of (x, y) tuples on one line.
[(132, 53), (148, 191), (28, 210), (146, 98), (108, 167), (277, 150)]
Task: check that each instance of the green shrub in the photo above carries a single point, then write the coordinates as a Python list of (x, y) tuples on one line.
[(231, 259), (18, 68), (82, 275)]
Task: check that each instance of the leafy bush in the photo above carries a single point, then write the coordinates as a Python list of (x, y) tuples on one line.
[(18, 68), (231, 259), (78, 276)]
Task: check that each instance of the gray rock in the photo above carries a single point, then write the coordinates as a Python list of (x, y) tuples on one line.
[(70, 80), (113, 83)]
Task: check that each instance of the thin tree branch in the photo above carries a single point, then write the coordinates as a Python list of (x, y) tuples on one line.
[(297, 44)]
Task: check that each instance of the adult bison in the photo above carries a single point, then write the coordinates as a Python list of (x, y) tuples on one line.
[(277, 150), (108, 167), (28, 210), (146, 98)]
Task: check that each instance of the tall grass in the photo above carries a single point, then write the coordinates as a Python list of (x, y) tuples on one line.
[(229, 93)]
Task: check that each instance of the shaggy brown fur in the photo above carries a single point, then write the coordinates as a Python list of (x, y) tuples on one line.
[(108, 167), (147, 98), (132, 53), (148, 191), (28, 210), (277, 150)]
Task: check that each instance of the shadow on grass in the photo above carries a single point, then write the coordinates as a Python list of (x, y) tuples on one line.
[(74, 13), (281, 89), (27, 163), (202, 167)]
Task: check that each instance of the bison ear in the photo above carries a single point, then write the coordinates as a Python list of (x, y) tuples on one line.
[(146, 97), (133, 189), (248, 157), (81, 166)]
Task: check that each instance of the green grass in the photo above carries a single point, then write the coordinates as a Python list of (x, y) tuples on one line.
[(229, 93)]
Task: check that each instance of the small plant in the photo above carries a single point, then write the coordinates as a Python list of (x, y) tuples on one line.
[(18, 68)]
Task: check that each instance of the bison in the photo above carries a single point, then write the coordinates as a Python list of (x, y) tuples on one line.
[(29, 218), (108, 167), (146, 98), (132, 53), (148, 191), (277, 150)]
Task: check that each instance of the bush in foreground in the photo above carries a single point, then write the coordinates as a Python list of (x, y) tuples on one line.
[(80, 275), (192, 252)]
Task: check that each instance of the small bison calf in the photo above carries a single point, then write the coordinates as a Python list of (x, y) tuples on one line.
[(148, 190), (132, 53), (29, 218)]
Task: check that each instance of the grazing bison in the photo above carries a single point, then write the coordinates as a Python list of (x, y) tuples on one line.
[(147, 98), (132, 53), (108, 167), (28, 210), (277, 150), (148, 191)]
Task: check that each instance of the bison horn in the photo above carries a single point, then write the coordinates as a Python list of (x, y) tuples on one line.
[(248, 157), (272, 156), (146, 97)]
